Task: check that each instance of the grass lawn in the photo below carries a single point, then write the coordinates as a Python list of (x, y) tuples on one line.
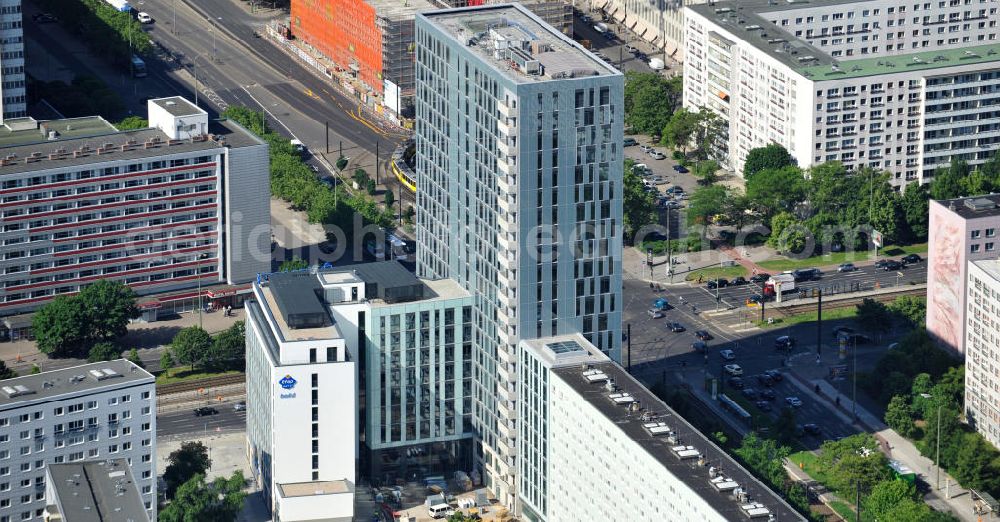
[(708, 274), (836, 258), (810, 317), (843, 509), (185, 374)]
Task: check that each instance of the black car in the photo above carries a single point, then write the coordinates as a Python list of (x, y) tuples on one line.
[(892, 266), (681, 168), (765, 380), (739, 281), (756, 299), (767, 394), (44, 18), (676, 327), (749, 393), (736, 382), (699, 346), (911, 259), (806, 274), (842, 330), (763, 405), (856, 338), (881, 263), (703, 335), (775, 375), (811, 429), (630, 142), (717, 283), (205, 410), (759, 278), (785, 342)]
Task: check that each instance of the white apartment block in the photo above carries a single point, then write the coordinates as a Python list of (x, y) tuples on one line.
[(660, 22), (89, 412), (13, 100), (174, 206), (982, 349), (902, 87), (594, 444)]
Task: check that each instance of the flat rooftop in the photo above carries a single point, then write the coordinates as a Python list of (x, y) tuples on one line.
[(178, 106), (394, 9), (990, 266), (686, 467), (88, 141), (517, 43), (974, 207), (289, 334), (308, 489), (750, 21), (97, 491), (563, 350), (78, 380)]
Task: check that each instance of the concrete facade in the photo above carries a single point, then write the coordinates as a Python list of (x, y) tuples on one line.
[(960, 231), (519, 173), (94, 411), (982, 349), (900, 88), (164, 208)]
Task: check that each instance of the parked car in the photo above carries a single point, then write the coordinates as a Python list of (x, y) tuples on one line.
[(657, 155), (645, 148), (703, 335), (738, 281), (240, 406), (793, 401), (881, 263), (699, 346), (44, 18), (733, 369), (775, 375), (655, 314), (736, 382), (717, 283), (630, 142), (205, 410), (749, 393), (765, 380), (846, 267), (911, 259), (728, 355), (767, 394), (676, 327), (892, 266), (855, 338), (847, 330), (785, 342), (811, 429), (144, 18), (763, 405), (631, 48), (658, 180), (682, 169)]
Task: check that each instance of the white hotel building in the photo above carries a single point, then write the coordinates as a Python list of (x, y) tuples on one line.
[(89, 412), (903, 87), (594, 444)]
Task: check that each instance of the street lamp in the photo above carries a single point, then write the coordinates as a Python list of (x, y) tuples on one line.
[(194, 69), (202, 256)]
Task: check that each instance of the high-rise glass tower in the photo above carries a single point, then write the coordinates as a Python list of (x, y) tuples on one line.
[(519, 196), (13, 103)]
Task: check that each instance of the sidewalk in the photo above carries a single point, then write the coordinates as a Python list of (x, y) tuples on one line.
[(953, 499)]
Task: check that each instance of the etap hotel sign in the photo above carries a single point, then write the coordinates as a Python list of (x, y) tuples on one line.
[(287, 383)]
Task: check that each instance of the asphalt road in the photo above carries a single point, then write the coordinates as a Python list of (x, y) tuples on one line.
[(184, 421)]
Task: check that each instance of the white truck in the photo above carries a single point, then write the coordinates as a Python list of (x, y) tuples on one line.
[(785, 282)]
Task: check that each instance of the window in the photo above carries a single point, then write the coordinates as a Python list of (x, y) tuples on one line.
[(976, 234), (990, 232), (990, 247), (975, 248)]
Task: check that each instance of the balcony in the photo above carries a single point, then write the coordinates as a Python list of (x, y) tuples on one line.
[(507, 394), (507, 410), (507, 127), (507, 111), (507, 167), (507, 147), (506, 203), (507, 183), (508, 300), (506, 431), (507, 373), (506, 242)]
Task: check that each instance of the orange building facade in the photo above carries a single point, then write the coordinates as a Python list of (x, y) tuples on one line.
[(344, 31)]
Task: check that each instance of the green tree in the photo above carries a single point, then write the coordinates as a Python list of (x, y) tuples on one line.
[(787, 234), (295, 263), (133, 357), (915, 511), (776, 190), (898, 415), (705, 203), (108, 306), (764, 457), (185, 463), (639, 207), (784, 426), (191, 345), (195, 500), (707, 171), (132, 123), (738, 211), (650, 99), (915, 205), (5, 372), (922, 384), (59, 328), (680, 129), (709, 136), (854, 462), (976, 183), (873, 315), (166, 361), (104, 351), (36, 369), (912, 310), (947, 183), (975, 462), (389, 198), (769, 157), (885, 496), (228, 350)]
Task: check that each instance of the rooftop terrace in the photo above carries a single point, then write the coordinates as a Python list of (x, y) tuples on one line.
[(69, 381), (517, 43)]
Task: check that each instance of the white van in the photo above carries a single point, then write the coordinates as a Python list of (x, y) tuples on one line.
[(439, 510)]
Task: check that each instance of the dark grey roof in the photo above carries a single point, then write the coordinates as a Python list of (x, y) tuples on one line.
[(70, 382), (297, 296), (96, 491), (687, 470), (974, 207), (177, 106), (387, 280)]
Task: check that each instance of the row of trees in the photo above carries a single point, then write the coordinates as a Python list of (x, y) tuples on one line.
[(294, 182), (650, 101), (895, 371), (194, 347), (70, 326), (192, 496), (959, 180), (107, 31), (907, 311), (85, 95)]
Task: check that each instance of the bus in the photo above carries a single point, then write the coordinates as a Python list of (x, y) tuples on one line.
[(138, 67)]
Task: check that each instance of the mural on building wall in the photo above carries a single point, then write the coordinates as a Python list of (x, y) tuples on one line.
[(945, 288)]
